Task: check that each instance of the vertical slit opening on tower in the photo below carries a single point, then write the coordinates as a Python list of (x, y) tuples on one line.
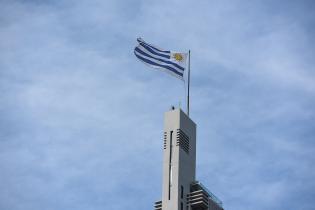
[(170, 167)]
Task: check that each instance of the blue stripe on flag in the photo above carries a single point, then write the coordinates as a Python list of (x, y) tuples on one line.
[(164, 61), (164, 51), (154, 52), (159, 65), (148, 52)]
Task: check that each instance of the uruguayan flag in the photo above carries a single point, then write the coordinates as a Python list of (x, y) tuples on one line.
[(173, 63)]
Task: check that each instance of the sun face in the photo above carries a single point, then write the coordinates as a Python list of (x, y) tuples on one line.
[(178, 57)]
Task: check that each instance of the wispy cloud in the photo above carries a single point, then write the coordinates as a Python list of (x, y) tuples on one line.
[(81, 118)]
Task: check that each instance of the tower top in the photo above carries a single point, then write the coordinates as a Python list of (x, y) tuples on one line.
[(178, 114), (180, 190)]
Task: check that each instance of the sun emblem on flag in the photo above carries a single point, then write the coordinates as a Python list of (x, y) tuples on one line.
[(178, 56)]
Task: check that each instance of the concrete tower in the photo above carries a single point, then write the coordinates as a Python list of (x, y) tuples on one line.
[(180, 190)]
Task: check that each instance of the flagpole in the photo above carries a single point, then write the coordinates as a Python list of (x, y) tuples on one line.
[(188, 83)]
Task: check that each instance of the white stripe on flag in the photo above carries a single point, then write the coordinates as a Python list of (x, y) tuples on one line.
[(147, 54), (158, 64)]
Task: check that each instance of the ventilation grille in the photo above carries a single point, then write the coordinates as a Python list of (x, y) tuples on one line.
[(165, 138), (182, 140), (158, 205)]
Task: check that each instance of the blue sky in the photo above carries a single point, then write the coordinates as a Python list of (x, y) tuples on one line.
[(81, 118)]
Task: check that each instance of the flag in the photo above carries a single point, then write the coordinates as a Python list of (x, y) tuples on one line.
[(171, 62)]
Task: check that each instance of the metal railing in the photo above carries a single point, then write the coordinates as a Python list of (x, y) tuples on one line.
[(210, 194)]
